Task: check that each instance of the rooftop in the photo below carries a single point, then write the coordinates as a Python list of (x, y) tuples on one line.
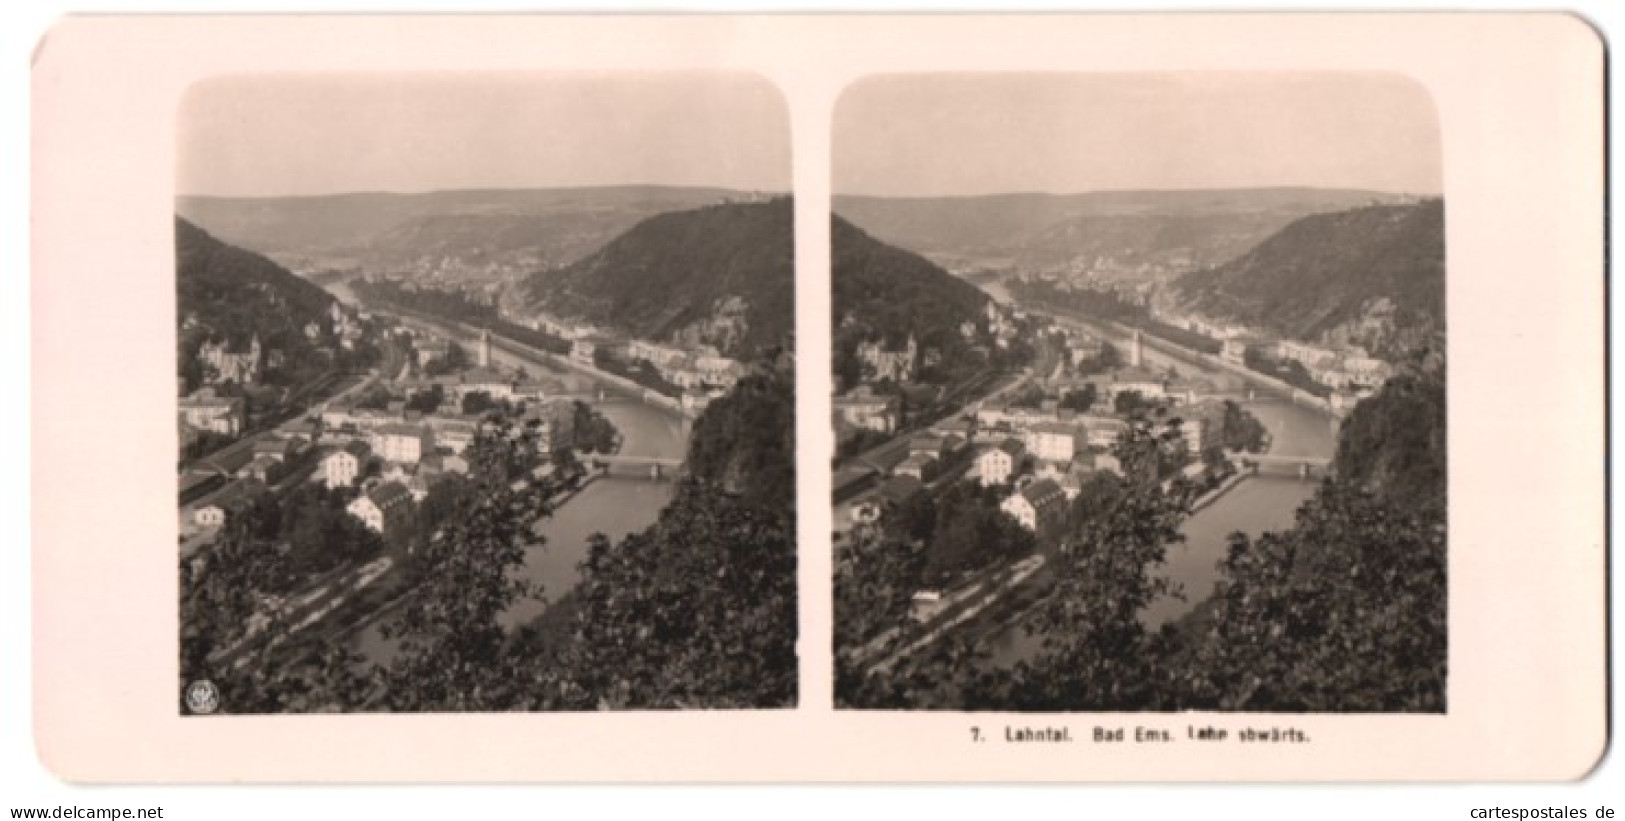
[(1043, 492), (389, 494)]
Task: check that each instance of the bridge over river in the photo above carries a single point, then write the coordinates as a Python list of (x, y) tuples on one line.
[(655, 467), (1304, 466)]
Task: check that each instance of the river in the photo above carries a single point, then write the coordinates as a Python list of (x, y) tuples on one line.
[(1254, 506), (612, 505)]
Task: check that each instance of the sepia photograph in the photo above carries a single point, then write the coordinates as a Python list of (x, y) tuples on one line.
[(1140, 393), (485, 393)]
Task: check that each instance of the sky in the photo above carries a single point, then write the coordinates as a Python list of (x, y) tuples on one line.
[(962, 134), (296, 134)]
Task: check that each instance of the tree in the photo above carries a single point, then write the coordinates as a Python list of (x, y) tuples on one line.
[(593, 433), (1344, 613), (1080, 400), (1129, 403), (427, 401), (477, 402), (698, 611), (226, 614), (972, 532), (744, 442), (455, 361), (1240, 430), (453, 648), (1095, 652)]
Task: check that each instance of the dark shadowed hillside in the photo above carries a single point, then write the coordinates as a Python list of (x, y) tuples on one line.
[(226, 294), (1394, 444), (895, 291), (227, 289), (885, 294), (745, 443), (1372, 276), (722, 274)]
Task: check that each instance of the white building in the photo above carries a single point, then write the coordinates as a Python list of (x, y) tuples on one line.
[(916, 465), (402, 443), (997, 464), (1038, 506), (1234, 350), (206, 411), (383, 508), (1052, 441), (341, 467)]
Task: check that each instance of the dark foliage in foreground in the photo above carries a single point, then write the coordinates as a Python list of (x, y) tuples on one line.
[(1344, 612)]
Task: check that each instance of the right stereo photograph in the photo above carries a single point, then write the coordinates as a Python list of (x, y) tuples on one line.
[(1140, 389)]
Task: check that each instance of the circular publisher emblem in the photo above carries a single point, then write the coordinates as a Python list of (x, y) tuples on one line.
[(202, 697)]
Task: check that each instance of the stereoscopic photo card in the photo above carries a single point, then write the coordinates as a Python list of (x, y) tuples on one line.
[(819, 398)]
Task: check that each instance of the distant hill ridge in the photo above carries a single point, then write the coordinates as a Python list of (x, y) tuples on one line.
[(374, 229), (1188, 228)]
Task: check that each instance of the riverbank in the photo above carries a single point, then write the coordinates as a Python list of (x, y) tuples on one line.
[(1217, 493), (466, 333)]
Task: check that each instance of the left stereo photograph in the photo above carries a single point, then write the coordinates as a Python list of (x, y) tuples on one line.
[(485, 393)]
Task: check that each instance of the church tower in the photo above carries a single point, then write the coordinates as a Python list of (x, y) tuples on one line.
[(485, 347), (1135, 354)]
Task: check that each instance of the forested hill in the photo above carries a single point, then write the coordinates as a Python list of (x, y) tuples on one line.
[(1394, 444), (722, 274), (1372, 276), (235, 294), (896, 292)]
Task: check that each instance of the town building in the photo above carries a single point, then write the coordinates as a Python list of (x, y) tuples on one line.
[(921, 466), (652, 352), (1053, 441), (863, 408), (342, 466), (242, 367), (1039, 506), (1310, 356), (205, 410), (585, 348), (1234, 350), (1194, 433), (219, 507), (887, 362), (1103, 431), (262, 467), (384, 508), (430, 351), (1084, 349), (998, 463), (402, 443)]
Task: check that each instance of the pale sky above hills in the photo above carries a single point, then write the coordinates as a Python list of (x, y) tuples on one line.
[(288, 134), (958, 134)]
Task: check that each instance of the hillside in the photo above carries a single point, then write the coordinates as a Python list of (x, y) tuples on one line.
[(881, 292), (1167, 232), (1372, 276), (438, 234), (722, 275), (228, 294)]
